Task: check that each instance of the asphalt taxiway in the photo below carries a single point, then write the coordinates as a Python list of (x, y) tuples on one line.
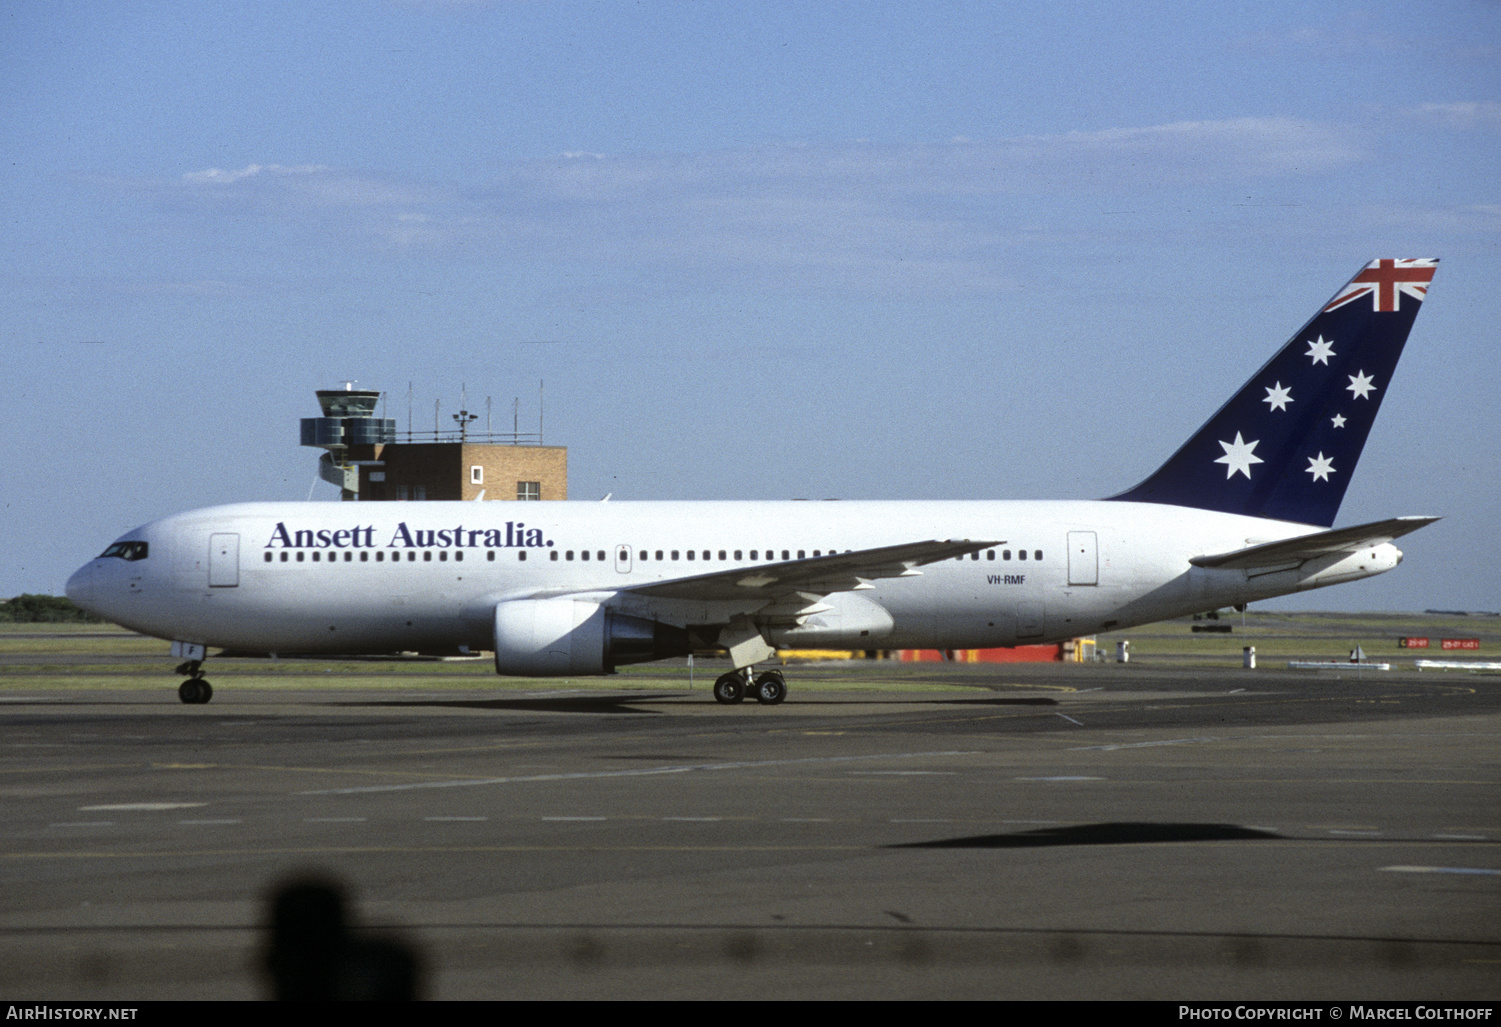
[(1043, 832)]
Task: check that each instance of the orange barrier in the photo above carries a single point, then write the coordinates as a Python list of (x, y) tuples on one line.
[(1020, 654)]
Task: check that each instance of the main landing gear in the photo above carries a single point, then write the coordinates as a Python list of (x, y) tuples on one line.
[(195, 690), (767, 688)]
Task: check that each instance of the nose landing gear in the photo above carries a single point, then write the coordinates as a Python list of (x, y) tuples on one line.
[(195, 690)]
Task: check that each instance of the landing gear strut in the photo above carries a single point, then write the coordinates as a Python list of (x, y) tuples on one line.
[(195, 690), (768, 688)]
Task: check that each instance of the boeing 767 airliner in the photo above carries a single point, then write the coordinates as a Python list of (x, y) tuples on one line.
[(1242, 512)]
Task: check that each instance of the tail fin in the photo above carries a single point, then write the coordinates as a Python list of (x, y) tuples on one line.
[(1285, 445)]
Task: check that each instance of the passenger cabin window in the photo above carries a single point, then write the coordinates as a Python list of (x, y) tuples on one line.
[(127, 551)]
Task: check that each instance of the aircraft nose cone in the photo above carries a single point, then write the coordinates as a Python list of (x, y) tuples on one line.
[(82, 588)]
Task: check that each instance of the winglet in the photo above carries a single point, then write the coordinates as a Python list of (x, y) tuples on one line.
[(1284, 446)]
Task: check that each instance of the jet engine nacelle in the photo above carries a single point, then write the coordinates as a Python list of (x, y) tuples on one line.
[(557, 637)]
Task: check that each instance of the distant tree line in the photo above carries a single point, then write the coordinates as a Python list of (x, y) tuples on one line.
[(30, 609)]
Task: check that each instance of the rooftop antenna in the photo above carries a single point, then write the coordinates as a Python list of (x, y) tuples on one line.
[(515, 420), (463, 417)]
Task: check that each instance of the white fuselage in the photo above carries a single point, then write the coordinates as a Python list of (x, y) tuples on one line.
[(386, 577)]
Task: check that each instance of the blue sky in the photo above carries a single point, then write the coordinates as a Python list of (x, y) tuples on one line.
[(769, 250)]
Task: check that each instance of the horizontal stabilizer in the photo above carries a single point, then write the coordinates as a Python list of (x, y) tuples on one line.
[(837, 572), (1308, 547)]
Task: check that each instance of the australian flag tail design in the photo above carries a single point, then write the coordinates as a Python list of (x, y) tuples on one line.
[(1285, 445)]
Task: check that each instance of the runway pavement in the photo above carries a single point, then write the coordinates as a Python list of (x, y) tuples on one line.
[(1048, 831)]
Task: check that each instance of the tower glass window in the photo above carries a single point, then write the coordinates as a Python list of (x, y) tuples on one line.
[(528, 490)]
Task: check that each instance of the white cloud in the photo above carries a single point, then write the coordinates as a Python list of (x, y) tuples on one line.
[(1472, 114), (218, 176), (941, 216)]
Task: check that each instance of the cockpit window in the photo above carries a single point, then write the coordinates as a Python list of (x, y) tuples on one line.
[(126, 551)]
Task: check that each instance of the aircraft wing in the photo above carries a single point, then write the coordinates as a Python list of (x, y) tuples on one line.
[(819, 575), (1294, 551)]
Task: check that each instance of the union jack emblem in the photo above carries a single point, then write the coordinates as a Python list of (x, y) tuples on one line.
[(1386, 281)]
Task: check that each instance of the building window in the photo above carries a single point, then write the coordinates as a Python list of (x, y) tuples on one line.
[(528, 490), (476, 475)]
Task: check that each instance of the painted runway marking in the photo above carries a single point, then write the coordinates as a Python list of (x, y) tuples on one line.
[(140, 807), (917, 820), (1140, 745), (85, 823), (695, 820), (1066, 717), (807, 820), (688, 768), (573, 818), (333, 820), (448, 819), (904, 773), (1060, 778), (1485, 871), (211, 823)]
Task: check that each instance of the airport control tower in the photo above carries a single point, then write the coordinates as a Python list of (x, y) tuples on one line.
[(368, 461), (349, 430)]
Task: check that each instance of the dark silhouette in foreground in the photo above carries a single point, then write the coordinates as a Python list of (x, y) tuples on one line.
[(314, 956)]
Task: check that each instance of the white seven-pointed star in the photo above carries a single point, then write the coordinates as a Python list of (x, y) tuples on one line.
[(1278, 397), (1320, 466), (1239, 456), (1320, 351), (1360, 385), (1338, 420)]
